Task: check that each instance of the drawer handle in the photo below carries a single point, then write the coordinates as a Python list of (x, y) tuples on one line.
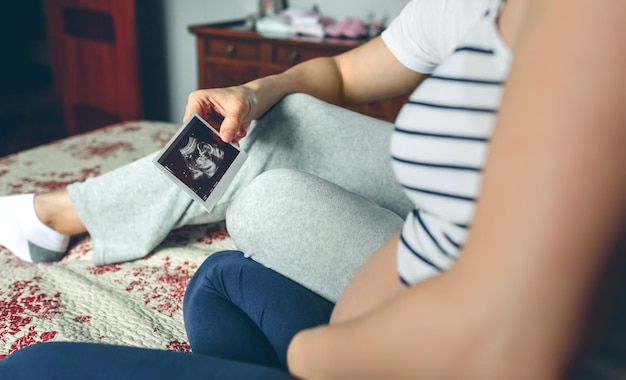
[(294, 56), (231, 49)]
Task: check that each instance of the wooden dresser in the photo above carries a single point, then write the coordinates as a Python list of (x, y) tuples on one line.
[(94, 56), (231, 54)]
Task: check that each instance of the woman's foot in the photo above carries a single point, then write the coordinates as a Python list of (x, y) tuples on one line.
[(25, 235)]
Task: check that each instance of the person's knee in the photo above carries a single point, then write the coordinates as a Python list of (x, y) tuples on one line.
[(261, 200), (216, 264), (308, 229), (213, 271)]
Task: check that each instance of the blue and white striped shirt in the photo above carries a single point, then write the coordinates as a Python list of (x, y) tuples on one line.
[(440, 146)]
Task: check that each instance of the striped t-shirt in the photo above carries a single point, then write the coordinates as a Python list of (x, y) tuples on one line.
[(441, 139)]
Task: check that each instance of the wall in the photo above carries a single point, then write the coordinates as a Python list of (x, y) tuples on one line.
[(180, 56), (181, 70), (361, 9)]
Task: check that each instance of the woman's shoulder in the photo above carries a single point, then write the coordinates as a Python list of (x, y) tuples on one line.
[(428, 30)]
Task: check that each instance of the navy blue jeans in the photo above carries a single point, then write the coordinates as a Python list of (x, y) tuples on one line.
[(239, 315)]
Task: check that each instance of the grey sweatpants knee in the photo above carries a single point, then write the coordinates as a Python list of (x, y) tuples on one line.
[(308, 229)]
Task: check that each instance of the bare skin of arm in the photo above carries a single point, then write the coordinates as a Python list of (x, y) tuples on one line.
[(364, 74), (547, 229)]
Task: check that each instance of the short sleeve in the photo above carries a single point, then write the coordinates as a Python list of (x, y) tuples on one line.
[(426, 31)]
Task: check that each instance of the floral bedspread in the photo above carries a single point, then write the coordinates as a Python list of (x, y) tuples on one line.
[(137, 303)]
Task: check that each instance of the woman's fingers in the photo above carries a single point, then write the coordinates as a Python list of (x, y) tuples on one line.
[(226, 109)]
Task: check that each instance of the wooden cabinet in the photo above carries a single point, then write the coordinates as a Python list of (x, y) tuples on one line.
[(229, 54), (94, 57)]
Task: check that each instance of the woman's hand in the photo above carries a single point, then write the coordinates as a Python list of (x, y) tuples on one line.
[(229, 110)]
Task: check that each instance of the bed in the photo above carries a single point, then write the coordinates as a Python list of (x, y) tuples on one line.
[(136, 303)]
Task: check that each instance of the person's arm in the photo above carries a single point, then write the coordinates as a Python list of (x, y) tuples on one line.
[(364, 74), (552, 211), (367, 73)]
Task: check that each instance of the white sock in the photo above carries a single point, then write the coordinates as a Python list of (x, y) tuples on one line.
[(25, 235)]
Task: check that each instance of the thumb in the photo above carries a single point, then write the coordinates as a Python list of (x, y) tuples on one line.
[(229, 128)]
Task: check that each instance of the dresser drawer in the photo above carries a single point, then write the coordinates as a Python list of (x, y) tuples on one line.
[(232, 48)]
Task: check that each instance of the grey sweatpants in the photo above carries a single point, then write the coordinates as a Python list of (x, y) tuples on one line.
[(332, 202)]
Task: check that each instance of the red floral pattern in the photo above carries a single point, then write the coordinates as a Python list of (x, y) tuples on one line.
[(102, 150), (213, 233), (21, 304), (179, 346), (137, 303), (163, 288), (52, 181)]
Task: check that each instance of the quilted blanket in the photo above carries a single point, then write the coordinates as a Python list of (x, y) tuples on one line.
[(137, 303)]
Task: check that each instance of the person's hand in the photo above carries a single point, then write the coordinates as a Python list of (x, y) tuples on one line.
[(229, 110)]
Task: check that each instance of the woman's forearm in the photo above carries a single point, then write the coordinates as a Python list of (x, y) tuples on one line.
[(353, 77), (318, 77)]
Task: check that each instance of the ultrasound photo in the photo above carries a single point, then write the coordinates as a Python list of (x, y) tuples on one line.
[(199, 161)]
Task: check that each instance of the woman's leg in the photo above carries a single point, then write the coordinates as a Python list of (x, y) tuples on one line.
[(69, 361), (343, 147), (237, 309), (309, 229), (240, 317), (300, 132)]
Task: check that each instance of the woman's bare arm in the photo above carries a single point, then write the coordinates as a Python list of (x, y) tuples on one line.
[(364, 74), (551, 215)]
